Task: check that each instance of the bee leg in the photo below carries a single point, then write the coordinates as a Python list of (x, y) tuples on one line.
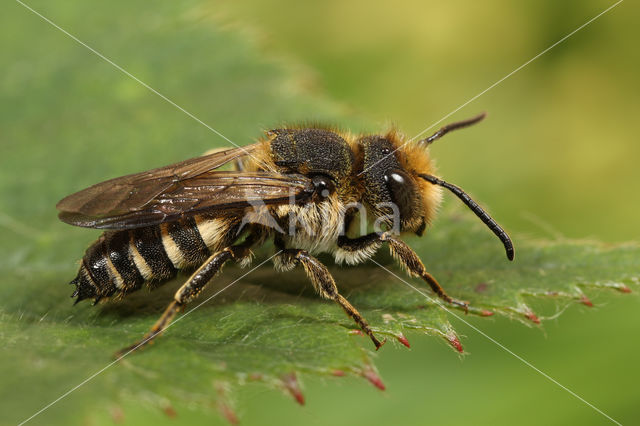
[(411, 262), (325, 285), (189, 290), (365, 246)]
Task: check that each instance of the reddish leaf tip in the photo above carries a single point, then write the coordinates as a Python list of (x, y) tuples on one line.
[(455, 342), (402, 339), (356, 332), (223, 406), (228, 414), (290, 382), (586, 301), (338, 373), (486, 313), (481, 287), (170, 411), (624, 289), (532, 317), (373, 377), (117, 415)]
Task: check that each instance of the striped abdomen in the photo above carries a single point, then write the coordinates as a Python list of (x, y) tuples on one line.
[(120, 262)]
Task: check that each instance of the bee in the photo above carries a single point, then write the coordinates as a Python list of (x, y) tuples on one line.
[(304, 188)]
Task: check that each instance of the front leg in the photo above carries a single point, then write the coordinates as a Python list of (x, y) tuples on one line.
[(355, 250), (324, 284)]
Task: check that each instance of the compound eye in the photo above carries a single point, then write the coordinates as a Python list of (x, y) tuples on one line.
[(323, 185), (403, 192), (394, 178)]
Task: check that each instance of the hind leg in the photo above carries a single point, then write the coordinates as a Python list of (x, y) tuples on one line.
[(189, 291)]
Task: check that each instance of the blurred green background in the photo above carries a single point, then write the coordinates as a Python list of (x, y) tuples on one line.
[(560, 145), (556, 158)]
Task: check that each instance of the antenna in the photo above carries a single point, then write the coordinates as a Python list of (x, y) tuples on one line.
[(453, 126), (484, 216)]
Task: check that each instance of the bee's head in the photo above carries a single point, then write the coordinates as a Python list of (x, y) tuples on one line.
[(400, 185), (393, 188)]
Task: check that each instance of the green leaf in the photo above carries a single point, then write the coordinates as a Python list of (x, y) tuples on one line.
[(72, 119)]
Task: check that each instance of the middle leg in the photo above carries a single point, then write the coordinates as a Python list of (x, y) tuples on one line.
[(325, 285)]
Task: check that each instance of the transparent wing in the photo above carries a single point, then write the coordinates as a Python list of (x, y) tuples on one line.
[(185, 188)]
